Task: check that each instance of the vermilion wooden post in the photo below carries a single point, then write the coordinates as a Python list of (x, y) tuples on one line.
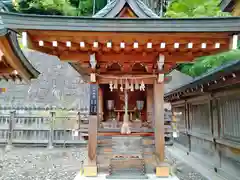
[(162, 169), (158, 91)]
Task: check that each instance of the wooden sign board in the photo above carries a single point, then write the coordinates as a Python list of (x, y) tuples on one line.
[(93, 99)]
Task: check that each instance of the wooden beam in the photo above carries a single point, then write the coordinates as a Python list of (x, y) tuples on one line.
[(229, 82), (4, 71), (74, 56), (142, 38), (148, 79), (116, 38), (106, 81), (119, 134), (158, 90), (134, 57)]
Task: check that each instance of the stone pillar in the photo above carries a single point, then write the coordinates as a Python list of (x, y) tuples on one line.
[(162, 169), (10, 130), (51, 129)]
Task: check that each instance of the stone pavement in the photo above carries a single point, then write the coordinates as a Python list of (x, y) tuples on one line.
[(188, 168)]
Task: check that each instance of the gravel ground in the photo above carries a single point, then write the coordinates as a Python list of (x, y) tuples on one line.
[(40, 163), (183, 171), (60, 164)]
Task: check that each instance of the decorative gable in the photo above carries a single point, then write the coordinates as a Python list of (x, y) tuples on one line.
[(126, 8)]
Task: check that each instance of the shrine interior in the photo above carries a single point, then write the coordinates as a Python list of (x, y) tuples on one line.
[(113, 108)]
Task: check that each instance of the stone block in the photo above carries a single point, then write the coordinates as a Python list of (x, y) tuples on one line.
[(90, 171), (162, 171)]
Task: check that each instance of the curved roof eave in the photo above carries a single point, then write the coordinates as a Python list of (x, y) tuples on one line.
[(211, 75), (113, 8), (45, 22), (12, 39), (34, 73), (227, 5)]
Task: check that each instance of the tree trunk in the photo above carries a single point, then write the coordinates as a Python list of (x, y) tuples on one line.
[(158, 6), (94, 6)]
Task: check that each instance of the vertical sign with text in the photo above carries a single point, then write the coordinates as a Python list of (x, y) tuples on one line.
[(93, 99)]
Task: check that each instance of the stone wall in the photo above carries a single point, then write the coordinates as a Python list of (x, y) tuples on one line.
[(58, 85)]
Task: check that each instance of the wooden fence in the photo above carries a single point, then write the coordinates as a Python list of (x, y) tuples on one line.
[(209, 129), (48, 130)]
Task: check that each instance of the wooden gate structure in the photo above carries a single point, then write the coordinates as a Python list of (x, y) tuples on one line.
[(124, 51)]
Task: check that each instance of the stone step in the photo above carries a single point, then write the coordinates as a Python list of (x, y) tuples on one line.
[(127, 166), (126, 176)]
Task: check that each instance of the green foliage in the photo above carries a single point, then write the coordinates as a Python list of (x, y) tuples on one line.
[(59, 7), (51, 7), (194, 8), (197, 9), (100, 4), (206, 63), (85, 8)]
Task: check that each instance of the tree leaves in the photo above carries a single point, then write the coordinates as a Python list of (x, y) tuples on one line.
[(197, 9), (59, 7), (206, 63), (194, 8)]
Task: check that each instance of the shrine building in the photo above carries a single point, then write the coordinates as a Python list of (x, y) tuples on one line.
[(125, 52)]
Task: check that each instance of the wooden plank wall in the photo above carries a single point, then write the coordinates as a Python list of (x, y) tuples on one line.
[(209, 129), (105, 152)]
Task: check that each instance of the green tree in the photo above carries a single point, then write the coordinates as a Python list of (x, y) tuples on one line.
[(51, 7), (197, 9), (59, 7), (206, 63), (194, 8)]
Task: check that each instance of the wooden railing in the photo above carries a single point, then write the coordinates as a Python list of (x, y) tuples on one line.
[(45, 130)]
